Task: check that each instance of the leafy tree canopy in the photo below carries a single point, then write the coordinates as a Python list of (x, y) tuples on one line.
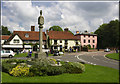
[(55, 28), (108, 34), (5, 31)]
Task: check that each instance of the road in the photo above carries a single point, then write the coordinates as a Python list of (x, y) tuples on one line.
[(95, 58)]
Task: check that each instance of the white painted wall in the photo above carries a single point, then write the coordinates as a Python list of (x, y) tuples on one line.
[(71, 43), (16, 37), (63, 42), (2, 41)]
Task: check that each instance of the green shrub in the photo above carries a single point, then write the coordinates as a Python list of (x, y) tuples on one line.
[(84, 48), (7, 66), (74, 67), (15, 60), (43, 67), (49, 70), (38, 70), (20, 70), (55, 70), (89, 46), (39, 67)]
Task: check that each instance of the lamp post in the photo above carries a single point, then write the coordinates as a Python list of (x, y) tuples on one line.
[(41, 54)]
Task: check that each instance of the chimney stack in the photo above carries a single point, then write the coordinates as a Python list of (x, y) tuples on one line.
[(86, 31), (32, 28), (77, 32), (66, 29)]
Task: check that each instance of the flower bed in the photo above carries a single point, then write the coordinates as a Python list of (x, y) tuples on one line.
[(40, 67)]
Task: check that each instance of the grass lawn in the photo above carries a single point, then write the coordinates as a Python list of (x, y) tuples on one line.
[(23, 55), (92, 74), (50, 54), (113, 56)]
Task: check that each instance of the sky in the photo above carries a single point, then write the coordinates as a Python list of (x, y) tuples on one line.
[(75, 15)]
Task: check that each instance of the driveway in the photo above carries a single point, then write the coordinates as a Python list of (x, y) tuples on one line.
[(95, 58)]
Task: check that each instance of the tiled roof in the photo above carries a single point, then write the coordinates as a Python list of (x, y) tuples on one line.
[(61, 35), (33, 35), (86, 34), (5, 37)]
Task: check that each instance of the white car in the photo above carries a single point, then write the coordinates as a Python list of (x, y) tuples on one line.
[(7, 53), (107, 50), (46, 50)]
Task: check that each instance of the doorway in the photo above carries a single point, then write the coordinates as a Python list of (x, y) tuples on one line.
[(60, 47)]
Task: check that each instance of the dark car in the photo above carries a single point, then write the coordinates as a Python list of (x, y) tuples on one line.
[(56, 53)]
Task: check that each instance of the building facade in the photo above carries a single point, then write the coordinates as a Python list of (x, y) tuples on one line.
[(87, 39), (55, 40), (20, 40), (4, 38), (63, 40)]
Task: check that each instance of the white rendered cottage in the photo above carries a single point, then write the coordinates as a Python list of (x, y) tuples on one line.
[(63, 40)]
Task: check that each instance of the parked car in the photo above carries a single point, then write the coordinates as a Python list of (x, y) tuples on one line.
[(46, 50), (56, 53), (107, 50), (61, 53), (7, 53)]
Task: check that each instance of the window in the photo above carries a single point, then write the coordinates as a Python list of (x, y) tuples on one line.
[(26, 35), (84, 35), (65, 47), (55, 41), (60, 41), (33, 41), (16, 40), (55, 47), (7, 51), (84, 41), (88, 41), (93, 41), (26, 41), (2, 51), (88, 35), (65, 41), (76, 43), (93, 36), (93, 46)]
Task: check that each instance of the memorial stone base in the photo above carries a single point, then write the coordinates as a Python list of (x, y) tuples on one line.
[(41, 55)]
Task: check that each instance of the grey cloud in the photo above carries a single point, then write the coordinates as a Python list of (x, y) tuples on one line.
[(83, 15)]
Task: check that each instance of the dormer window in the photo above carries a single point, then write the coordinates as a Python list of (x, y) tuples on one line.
[(16, 41), (26, 35)]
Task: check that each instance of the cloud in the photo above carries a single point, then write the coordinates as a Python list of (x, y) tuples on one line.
[(77, 16)]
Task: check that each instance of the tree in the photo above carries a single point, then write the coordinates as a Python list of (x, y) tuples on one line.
[(55, 28), (108, 34), (5, 31)]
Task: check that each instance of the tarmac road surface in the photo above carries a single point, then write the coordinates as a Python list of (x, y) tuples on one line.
[(95, 58)]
